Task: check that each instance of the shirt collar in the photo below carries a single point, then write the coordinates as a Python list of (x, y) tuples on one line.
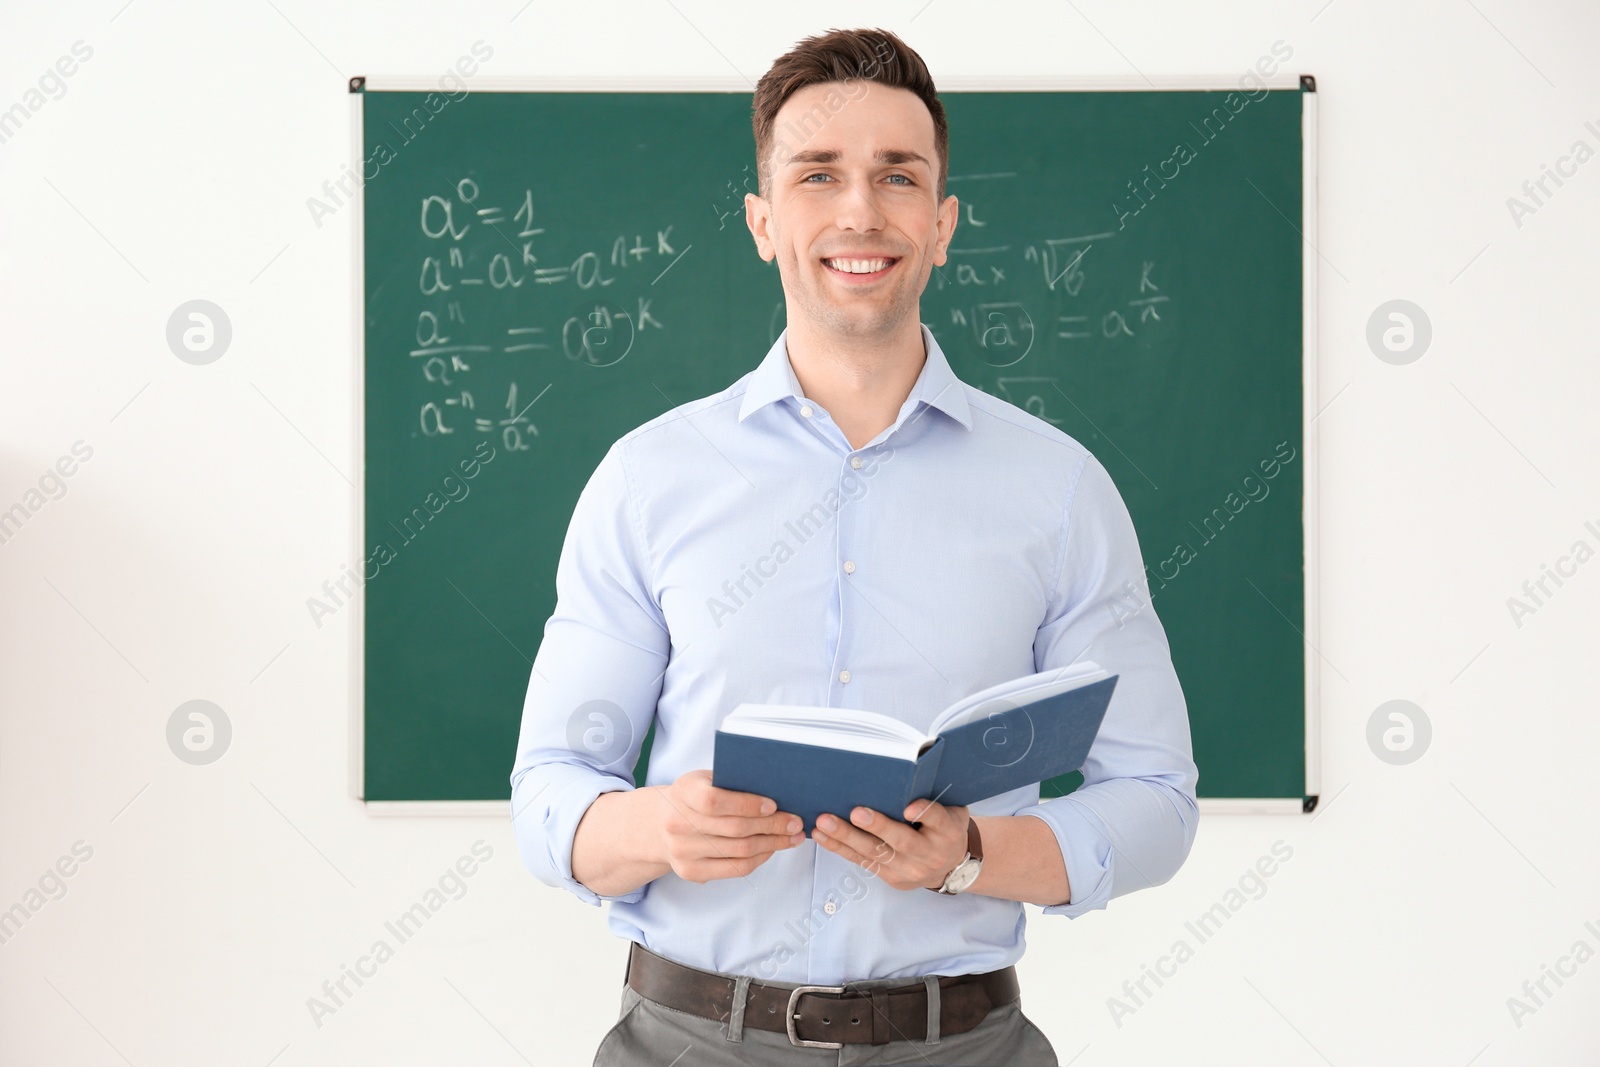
[(936, 385)]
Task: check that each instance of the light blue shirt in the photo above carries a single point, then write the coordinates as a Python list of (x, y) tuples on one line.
[(736, 548)]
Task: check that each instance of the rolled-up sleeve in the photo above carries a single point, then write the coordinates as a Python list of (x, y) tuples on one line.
[(1132, 822), (595, 681)]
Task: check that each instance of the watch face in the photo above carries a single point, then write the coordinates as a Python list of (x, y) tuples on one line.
[(964, 875)]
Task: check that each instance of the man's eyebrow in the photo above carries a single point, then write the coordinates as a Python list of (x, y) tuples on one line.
[(883, 155), (901, 155)]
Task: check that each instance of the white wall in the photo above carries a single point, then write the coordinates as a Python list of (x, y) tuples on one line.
[(218, 899)]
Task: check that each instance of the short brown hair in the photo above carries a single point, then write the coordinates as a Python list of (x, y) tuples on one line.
[(845, 55)]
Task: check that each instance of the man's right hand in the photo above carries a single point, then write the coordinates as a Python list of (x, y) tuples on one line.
[(707, 832)]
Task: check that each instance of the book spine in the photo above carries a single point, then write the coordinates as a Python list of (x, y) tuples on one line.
[(922, 779)]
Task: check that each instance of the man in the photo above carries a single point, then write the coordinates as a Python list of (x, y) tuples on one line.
[(847, 525)]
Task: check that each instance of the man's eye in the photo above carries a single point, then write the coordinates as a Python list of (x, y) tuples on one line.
[(808, 177), (907, 178)]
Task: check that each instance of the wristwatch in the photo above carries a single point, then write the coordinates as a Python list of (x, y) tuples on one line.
[(965, 872)]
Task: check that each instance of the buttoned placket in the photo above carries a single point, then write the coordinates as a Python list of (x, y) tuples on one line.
[(848, 522)]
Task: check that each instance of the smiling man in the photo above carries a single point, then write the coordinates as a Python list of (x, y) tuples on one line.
[(914, 540)]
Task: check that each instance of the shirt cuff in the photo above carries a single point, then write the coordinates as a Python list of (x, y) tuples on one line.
[(545, 833), (1086, 850)]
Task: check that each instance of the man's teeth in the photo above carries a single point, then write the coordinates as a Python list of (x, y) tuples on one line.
[(858, 266)]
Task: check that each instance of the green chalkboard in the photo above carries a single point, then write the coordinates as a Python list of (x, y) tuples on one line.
[(544, 271)]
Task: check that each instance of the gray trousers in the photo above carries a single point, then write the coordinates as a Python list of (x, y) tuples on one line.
[(648, 1034)]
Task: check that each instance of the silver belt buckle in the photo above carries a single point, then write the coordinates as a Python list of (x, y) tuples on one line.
[(789, 1015)]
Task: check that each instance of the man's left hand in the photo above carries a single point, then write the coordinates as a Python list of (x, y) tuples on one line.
[(903, 857)]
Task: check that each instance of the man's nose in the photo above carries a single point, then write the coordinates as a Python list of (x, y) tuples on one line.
[(858, 208)]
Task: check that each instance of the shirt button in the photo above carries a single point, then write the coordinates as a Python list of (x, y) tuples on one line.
[(844, 676), (805, 409), (855, 462), (849, 566), (830, 907)]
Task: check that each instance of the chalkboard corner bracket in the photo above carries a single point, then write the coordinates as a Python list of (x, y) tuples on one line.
[(1308, 83), (358, 84), (1308, 804)]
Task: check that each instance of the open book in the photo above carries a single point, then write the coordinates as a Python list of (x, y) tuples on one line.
[(811, 760)]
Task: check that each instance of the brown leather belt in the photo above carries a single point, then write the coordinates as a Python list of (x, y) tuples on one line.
[(824, 1016)]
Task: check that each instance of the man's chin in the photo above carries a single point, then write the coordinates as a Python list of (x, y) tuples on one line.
[(858, 318), (848, 321)]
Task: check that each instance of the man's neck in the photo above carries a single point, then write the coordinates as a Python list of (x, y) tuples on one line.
[(861, 385)]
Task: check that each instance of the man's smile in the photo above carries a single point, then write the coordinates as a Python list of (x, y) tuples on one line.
[(854, 270)]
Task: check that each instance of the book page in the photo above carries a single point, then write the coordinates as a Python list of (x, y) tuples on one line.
[(842, 728), (1018, 691)]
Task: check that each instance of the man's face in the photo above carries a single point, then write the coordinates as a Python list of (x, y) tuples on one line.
[(859, 189)]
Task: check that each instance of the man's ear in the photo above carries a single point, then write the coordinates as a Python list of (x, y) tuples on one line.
[(949, 212), (758, 216)]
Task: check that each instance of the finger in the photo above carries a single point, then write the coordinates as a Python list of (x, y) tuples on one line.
[(877, 857), (897, 835), (684, 820), (859, 841), (742, 847), (707, 870), (713, 800), (780, 825), (929, 811)]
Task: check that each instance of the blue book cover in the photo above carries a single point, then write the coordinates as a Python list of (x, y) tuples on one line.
[(1003, 738)]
